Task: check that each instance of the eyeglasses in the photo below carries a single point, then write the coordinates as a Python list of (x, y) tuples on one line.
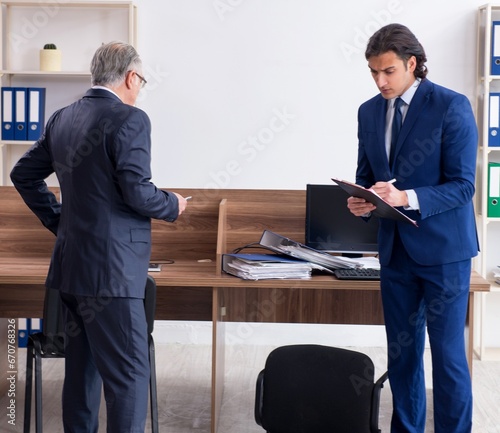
[(143, 80)]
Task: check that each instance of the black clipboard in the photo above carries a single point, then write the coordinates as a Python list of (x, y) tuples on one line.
[(384, 209)]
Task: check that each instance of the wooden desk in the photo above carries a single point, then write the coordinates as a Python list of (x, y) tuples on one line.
[(193, 287), (188, 290)]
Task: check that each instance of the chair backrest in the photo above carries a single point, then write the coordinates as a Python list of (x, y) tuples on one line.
[(53, 324), (315, 389), (150, 303)]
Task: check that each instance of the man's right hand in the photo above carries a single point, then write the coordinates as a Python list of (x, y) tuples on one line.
[(182, 203)]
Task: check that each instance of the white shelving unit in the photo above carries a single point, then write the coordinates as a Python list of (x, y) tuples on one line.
[(77, 28), (488, 227)]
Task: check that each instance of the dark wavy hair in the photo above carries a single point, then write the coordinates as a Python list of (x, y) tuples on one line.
[(398, 38)]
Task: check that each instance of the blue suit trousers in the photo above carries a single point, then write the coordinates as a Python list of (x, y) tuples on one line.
[(414, 298)]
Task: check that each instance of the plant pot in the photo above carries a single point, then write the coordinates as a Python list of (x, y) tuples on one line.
[(50, 60)]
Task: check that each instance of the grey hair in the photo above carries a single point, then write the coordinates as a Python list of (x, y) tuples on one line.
[(111, 62)]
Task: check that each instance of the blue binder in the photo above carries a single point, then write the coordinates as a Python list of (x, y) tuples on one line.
[(23, 329), (35, 325), (20, 111), (7, 113), (495, 48), (494, 120), (493, 190), (36, 112)]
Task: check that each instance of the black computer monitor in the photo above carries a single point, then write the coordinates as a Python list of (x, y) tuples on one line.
[(330, 226)]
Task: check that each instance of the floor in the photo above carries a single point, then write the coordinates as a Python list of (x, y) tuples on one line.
[(183, 374)]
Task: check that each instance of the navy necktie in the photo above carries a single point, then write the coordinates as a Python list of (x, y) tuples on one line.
[(397, 121)]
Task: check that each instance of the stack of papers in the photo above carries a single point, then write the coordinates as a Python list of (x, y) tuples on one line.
[(496, 276), (266, 266), (283, 245)]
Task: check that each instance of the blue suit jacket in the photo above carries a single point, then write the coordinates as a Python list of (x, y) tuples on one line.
[(99, 148), (436, 156)]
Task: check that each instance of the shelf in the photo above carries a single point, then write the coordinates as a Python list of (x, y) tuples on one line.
[(16, 142), (487, 226), (495, 287), (489, 148), (96, 20), (490, 78), (47, 73), (489, 354), (488, 219), (79, 4), (492, 219)]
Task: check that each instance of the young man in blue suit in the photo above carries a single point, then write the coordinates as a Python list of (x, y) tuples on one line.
[(425, 271), (99, 148)]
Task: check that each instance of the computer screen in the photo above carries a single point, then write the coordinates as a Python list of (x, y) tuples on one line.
[(330, 226)]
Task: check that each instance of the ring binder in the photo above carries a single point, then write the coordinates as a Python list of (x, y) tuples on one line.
[(494, 121), (495, 48), (7, 113), (36, 112), (494, 189), (20, 105)]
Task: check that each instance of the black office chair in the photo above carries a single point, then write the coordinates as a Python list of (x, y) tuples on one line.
[(50, 344), (150, 307), (318, 389)]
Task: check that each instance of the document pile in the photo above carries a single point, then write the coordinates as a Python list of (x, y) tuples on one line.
[(266, 266), (283, 245), (496, 276), (292, 260)]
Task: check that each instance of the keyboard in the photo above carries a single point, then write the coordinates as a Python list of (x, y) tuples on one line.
[(357, 274)]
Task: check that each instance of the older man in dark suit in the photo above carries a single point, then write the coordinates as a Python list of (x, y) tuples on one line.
[(99, 148)]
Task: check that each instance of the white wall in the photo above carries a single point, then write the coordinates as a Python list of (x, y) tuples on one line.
[(264, 93), (220, 71)]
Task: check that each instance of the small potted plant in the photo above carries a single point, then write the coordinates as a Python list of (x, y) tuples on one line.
[(50, 58)]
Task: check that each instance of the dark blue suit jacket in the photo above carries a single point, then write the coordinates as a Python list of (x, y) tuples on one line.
[(436, 156), (99, 148)]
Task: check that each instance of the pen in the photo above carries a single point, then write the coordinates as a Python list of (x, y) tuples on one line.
[(189, 197), (392, 180)]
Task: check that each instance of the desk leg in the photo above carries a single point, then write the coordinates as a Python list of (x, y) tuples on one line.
[(470, 335), (218, 356)]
